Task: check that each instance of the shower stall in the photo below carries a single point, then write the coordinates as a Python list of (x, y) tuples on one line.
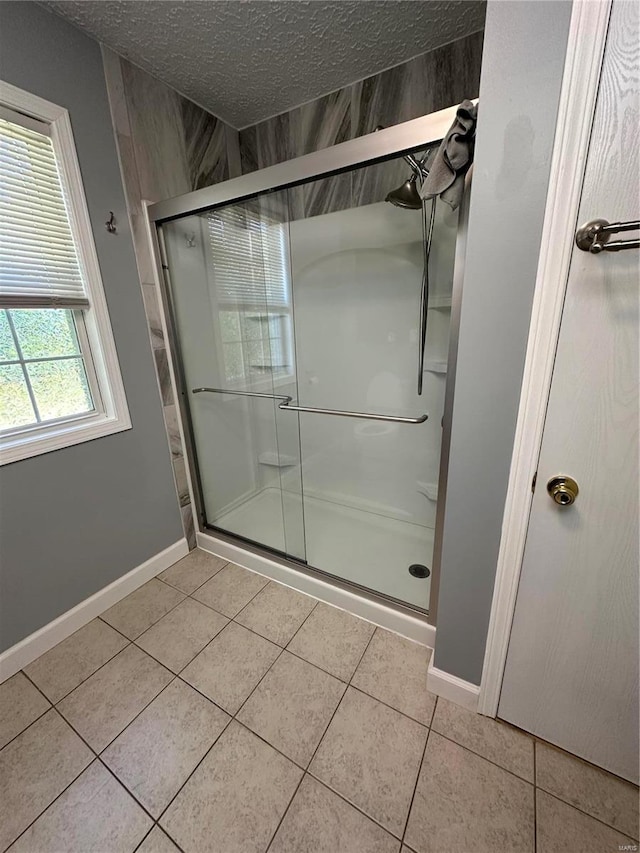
[(309, 308)]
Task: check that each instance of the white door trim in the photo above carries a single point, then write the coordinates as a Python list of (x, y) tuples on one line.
[(585, 51)]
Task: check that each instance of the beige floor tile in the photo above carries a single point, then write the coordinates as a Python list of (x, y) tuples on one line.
[(192, 571), (590, 789), (394, 670), (156, 753), (563, 829), (73, 660), (34, 769), (319, 821), (231, 665), (371, 755), (333, 640), (178, 637), (157, 842), (499, 742), (464, 802), (276, 612), (236, 797), (20, 705), (103, 705), (93, 814), (138, 611), (292, 706), (230, 589)]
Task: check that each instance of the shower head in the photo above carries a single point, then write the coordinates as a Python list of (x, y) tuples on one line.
[(406, 196)]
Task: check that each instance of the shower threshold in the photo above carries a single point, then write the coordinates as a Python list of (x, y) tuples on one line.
[(354, 545)]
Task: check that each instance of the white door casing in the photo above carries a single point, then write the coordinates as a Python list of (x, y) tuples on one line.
[(571, 674), (585, 50)]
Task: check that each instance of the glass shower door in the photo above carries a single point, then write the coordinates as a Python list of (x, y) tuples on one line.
[(370, 486), (231, 295), (298, 321)]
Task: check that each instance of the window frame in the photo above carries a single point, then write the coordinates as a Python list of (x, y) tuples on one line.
[(95, 335)]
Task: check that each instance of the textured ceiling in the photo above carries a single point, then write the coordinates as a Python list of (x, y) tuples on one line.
[(246, 60)]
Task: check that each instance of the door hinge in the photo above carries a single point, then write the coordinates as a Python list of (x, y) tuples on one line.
[(533, 482)]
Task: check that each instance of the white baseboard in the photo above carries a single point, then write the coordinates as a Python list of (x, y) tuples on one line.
[(45, 638), (450, 687), (411, 627)]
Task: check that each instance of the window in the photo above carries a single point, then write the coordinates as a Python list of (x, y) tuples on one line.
[(43, 374), (253, 293), (59, 378)]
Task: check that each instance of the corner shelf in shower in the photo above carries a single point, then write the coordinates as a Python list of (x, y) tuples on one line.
[(261, 318), (433, 365), (276, 460), (429, 490), (270, 367), (440, 303)]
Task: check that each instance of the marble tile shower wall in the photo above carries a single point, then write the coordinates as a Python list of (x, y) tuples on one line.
[(430, 82), (167, 146)]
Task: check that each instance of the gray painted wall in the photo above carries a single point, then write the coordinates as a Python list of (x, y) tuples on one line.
[(524, 51), (74, 520)]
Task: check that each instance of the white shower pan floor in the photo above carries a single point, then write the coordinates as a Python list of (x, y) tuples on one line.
[(368, 549)]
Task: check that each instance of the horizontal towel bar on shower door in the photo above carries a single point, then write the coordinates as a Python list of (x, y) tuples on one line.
[(287, 407), (284, 397)]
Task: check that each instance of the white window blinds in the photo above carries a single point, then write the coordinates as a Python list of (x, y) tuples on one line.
[(249, 259), (38, 262)]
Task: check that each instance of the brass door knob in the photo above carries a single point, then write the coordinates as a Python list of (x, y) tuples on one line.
[(564, 490)]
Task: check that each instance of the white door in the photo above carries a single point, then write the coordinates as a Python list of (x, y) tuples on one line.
[(571, 675)]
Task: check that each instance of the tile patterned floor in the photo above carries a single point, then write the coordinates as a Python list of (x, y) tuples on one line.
[(215, 710)]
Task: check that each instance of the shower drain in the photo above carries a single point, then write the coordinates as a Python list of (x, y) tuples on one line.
[(419, 571)]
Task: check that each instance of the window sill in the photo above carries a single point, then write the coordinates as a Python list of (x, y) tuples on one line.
[(58, 436)]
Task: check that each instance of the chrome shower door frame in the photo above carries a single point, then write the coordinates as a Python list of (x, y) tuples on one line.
[(366, 150)]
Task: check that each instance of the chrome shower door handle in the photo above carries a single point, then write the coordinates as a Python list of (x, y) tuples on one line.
[(287, 406), (341, 413), (207, 390)]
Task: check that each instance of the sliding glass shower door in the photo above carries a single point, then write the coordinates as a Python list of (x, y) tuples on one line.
[(370, 484), (299, 318), (232, 305)]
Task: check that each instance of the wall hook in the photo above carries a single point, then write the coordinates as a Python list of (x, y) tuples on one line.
[(191, 240), (110, 224)]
